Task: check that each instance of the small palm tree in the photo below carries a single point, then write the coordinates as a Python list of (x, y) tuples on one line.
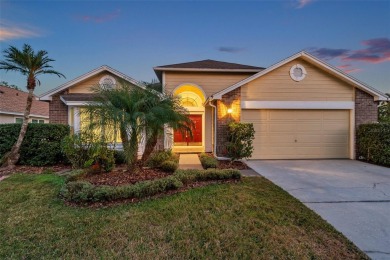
[(162, 110), (30, 64), (136, 114)]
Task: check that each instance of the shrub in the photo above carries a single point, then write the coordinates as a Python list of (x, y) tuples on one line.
[(78, 191), (384, 112), (208, 161), (120, 157), (188, 176), (169, 166), (373, 143), (74, 175), (81, 191), (41, 145), (157, 158), (83, 152), (240, 140), (103, 158)]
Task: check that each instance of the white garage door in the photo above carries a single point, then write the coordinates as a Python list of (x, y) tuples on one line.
[(299, 134)]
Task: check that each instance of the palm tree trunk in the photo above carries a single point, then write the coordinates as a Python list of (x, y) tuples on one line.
[(149, 146), (12, 157), (133, 152)]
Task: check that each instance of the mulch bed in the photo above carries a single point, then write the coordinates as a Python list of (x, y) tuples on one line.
[(121, 176), (33, 169), (234, 165), (226, 164)]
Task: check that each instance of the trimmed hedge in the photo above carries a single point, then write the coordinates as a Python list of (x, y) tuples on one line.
[(192, 175), (208, 161), (373, 143), (41, 145), (79, 191)]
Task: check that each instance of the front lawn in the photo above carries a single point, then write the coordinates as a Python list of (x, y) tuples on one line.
[(249, 219)]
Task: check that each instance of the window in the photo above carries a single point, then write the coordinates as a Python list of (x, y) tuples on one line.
[(18, 120), (298, 72), (38, 121), (107, 82)]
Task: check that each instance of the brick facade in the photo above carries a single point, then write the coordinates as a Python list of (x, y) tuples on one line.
[(366, 109), (229, 100), (58, 111)]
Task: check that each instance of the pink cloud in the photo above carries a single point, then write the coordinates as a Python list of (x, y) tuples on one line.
[(377, 51), (10, 31), (347, 68), (100, 18)]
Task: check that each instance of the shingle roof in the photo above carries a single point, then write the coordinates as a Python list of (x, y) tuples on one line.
[(210, 64), (207, 65), (14, 101)]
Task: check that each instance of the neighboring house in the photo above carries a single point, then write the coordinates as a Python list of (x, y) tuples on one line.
[(301, 107), (13, 104)]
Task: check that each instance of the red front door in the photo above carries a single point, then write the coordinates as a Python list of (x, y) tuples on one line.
[(186, 140)]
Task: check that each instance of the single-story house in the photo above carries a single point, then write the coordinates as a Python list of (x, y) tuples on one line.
[(13, 104), (301, 107)]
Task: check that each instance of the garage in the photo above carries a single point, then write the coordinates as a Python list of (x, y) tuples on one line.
[(300, 133)]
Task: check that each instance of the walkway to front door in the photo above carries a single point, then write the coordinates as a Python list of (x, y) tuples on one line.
[(185, 139)]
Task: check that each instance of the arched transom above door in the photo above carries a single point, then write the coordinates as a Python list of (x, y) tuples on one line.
[(190, 95)]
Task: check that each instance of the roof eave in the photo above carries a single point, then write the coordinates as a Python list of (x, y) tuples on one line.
[(206, 69)]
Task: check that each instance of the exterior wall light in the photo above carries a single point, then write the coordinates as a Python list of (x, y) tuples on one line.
[(229, 110)]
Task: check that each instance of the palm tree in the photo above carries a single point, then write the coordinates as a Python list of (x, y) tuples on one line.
[(163, 110), (30, 64), (135, 113)]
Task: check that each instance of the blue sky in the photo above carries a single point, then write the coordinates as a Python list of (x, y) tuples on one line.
[(135, 36)]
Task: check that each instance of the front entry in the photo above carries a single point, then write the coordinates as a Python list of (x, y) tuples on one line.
[(185, 139)]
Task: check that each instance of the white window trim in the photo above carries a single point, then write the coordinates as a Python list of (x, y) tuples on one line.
[(297, 78), (297, 104)]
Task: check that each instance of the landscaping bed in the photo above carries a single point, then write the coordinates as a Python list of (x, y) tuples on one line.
[(209, 161), (121, 176), (81, 188), (250, 219)]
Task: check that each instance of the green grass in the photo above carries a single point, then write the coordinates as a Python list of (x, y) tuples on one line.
[(251, 219)]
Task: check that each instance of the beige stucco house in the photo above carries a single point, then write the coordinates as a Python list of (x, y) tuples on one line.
[(301, 107)]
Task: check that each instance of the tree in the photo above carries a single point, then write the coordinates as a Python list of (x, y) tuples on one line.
[(163, 109), (31, 64), (384, 111), (135, 113), (5, 83)]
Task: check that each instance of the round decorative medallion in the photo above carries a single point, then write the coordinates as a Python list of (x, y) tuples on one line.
[(298, 72), (107, 82)]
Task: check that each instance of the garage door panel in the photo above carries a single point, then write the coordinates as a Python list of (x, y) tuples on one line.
[(335, 114), (300, 134)]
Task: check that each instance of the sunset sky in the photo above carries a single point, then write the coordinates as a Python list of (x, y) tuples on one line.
[(135, 36)]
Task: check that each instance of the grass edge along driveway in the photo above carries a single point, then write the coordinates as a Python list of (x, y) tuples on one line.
[(250, 219)]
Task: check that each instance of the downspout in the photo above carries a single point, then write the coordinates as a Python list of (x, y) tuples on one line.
[(215, 130)]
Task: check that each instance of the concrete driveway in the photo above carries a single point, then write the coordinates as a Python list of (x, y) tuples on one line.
[(352, 196)]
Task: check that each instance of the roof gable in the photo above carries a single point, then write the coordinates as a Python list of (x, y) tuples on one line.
[(318, 63), (48, 95)]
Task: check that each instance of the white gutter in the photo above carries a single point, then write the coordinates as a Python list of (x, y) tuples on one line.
[(215, 131)]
